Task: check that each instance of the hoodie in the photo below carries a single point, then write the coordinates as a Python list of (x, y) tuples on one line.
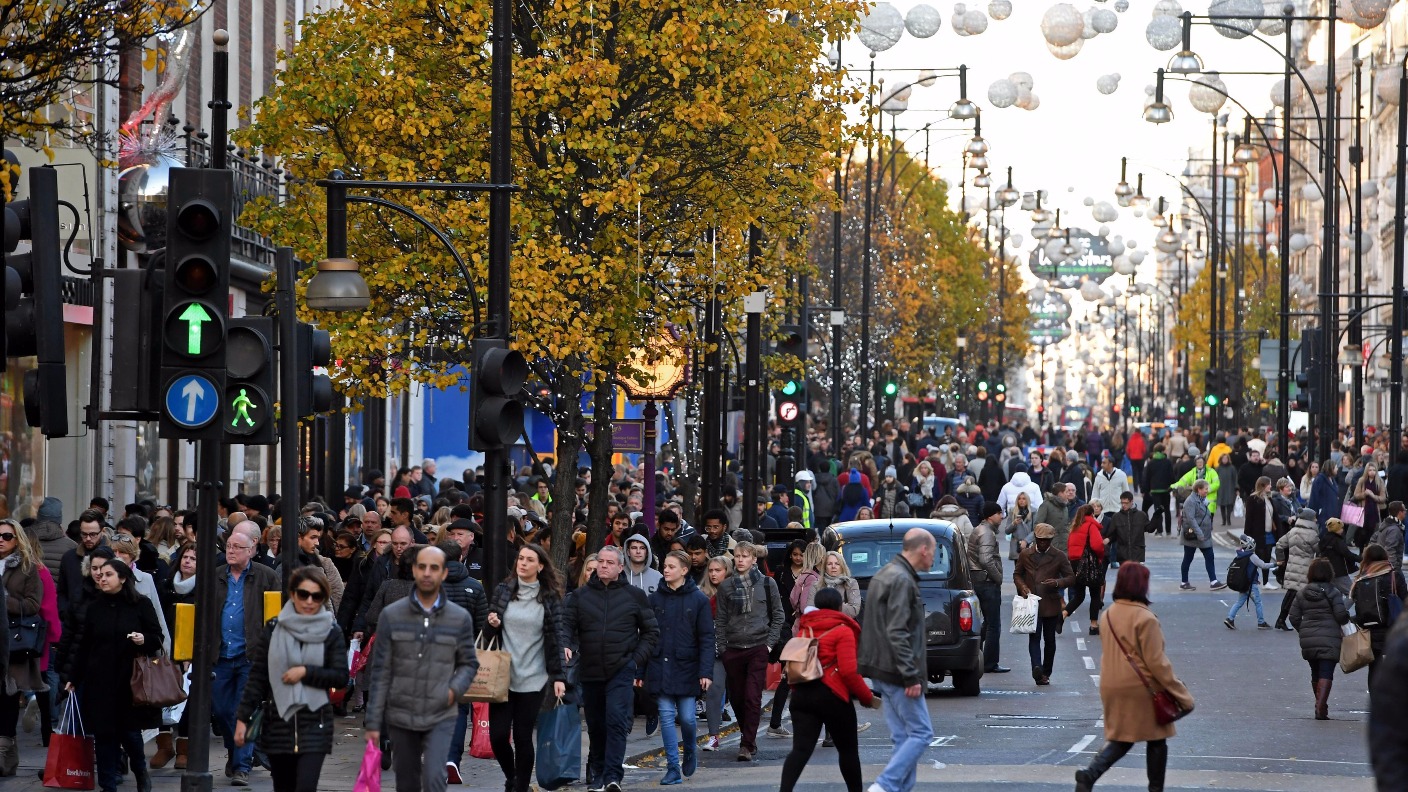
[(52, 540), (1021, 482), (647, 580)]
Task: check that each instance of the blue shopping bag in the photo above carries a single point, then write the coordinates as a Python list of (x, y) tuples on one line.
[(559, 746)]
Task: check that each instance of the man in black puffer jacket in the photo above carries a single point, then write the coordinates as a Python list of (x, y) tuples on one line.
[(467, 593), (611, 625)]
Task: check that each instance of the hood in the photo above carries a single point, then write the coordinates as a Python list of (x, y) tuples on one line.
[(46, 531), (969, 488), (1021, 479), (455, 571), (1316, 592), (950, 511), (649, 552), (50, 510), (687, 588), (1309, 525), (819, 621)]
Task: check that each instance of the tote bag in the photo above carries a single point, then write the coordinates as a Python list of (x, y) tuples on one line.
[(491, 683), (69, 764)]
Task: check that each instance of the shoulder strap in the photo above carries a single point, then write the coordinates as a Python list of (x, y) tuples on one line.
[(1132, 664)]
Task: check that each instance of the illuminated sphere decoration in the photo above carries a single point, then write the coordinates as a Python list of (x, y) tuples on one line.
[(1067, 51), (881, 28), (1168, 8), (1367, 14), (1164, 33), (1062, 25), (923, 21), (1207, 94), (1272, 24), (1002, 93), (1104, 20), (1000, 9), (1107, 83), (975, 22), (1235, 19)]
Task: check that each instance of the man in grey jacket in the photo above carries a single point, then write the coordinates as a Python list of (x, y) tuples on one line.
[(892, 655), (423, 664), (1389, 534), (985, 572)]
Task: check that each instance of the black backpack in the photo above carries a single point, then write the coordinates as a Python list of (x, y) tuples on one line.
[(1237, 578)]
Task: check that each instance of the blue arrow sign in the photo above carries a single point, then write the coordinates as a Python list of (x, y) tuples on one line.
[(191, 401)]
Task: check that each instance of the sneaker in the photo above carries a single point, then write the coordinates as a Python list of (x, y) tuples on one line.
[(613, 787), (1270, 585), (1187, 587), (862, 727), (652, 724), (876, 788), (712, 744), (745, 755), (1217, 585), (239, 780), (1231, 625), (827, 743), (1094, 629), (31, 716), (596, 787), (780, 732), (452, 773), (1263, 626)]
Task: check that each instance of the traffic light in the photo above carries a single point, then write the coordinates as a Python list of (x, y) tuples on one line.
[(1185, 403), (891, 391), (34, 311), (790, 400), (314, 351), (1000, 392), (1305, 391), (250, 384), (496, 415), (1136, 405), (982, 382), (790, 342), (195, 297), (1212, 384)]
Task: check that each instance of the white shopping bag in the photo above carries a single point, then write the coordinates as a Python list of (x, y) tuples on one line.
[(1024, 614), (1240, 509), (353, 647), (170, 716)]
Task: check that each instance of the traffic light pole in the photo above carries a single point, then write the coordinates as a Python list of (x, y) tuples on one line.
[(752, 402), (286, 275), (496, 472), (1400, 194)]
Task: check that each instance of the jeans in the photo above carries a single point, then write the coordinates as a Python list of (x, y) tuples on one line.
[(416, 758), (747, 676), (517, 716), (296, 772), (1253, 594), (457, 737), (990, 601), (1207, 561), (227, 688), (1097, 600), (815, 706), (1042, 644), (714, 699), (607, 705), (910, 732), (108, 749), (673, 708), (1158, 504)]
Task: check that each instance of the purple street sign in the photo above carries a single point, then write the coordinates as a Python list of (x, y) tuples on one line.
[(627, 435)]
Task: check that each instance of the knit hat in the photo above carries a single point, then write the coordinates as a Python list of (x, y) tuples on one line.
[(51, 510), (402, 492), (890, 471), (989, 509)]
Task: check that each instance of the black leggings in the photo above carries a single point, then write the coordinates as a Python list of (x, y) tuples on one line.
[(815, 706), (296, 772), (1286, 603), (779, 702), (9, 714), (1157, 503), (1097, 600), (518, 716)]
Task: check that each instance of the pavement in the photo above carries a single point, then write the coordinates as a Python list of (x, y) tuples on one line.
[(1253, 728)]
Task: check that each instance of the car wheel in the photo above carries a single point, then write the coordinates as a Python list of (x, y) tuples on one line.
[(968, 683)]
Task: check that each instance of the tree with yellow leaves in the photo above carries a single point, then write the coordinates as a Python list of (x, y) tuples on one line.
[(648, 136)]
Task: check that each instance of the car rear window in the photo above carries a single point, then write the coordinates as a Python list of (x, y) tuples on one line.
[(866, 556)]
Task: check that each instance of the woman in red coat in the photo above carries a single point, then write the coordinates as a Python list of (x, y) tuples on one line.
[(827, 701), (1085, 532)]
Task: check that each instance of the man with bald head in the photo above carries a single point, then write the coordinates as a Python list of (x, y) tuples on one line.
[(423, 664), (892, 654), (240, 586), (383, 569)]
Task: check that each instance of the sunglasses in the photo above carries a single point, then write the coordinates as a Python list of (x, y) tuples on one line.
[(7, 536), (306, 595)]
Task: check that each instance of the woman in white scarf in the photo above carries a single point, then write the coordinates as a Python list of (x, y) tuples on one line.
[(127, 552), (301, 659)]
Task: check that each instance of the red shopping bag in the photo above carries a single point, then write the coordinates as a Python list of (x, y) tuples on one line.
[(369, 777), (361, 658), (774, 675), (479, 747), (69, 764)]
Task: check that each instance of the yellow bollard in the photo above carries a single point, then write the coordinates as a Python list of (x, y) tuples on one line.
[(184, 641)]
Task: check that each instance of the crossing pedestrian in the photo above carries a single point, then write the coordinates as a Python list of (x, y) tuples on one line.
[(1252, 567), (1127, 528), (1044, 572), (1132, 661), (1389, 535), (1294, 552), (1373, 592), (1157, 483), (985, 573), (1087, 536), (748, 623), (1195, 533), (893, 654), (719, 569), (1317, 614), (682, 663)]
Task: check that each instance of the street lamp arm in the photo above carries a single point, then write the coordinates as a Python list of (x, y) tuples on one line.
[(1291, 64), (474, 302)]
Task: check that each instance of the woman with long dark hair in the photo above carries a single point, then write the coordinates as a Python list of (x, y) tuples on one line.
[(526, 613), (301, 659)]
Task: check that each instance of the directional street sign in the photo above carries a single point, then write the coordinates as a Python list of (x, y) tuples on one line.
[(192, 401)]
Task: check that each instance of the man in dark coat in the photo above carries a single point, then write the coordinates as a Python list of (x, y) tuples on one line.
[(1388, 693), (1396, 483)]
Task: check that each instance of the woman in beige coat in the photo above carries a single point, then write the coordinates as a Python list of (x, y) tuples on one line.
[(1129, 709)]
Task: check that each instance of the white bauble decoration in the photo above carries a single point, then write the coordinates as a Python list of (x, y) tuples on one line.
[(881, 27), (1107, 83), (1386, 85), (1235, 19), (1137, 256), (1002, 93), (1068, 51), (1103, 212), (1104, 20), (1103, 232), (1087, 201), (1121, 6), (1299, 242), (1024, 98), (1131, 244), (1033, 102), (1367, 14), (1015, 240), (1207, 94), (1164, 33), (923, 21), (1062, 25), (1311, 192), (1273, 24), (1052, 249), (1022, 80), (1000, 9), (1369, 189), (1088, 32), (1090, 291), (1278, 93), (975, 22), (1168, 8)]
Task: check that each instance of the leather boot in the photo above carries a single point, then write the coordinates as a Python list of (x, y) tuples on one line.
[(182, 746), (165, 750), (9, 756), (1322, 699), (1156, 760), (1086, 778)]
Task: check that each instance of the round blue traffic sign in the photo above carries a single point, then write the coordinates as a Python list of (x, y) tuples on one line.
[(192, 401)]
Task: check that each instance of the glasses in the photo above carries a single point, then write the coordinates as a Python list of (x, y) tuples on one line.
[(233, 546), (306, 595), (7, 536)]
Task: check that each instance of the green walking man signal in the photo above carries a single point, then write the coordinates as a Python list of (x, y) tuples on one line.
[(241, 406)]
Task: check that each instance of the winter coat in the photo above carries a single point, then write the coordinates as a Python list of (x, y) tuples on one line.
[(1370, 595), (1056, 513), (554, 624), (647, 580), (1137, 447), (49, 609), (257, 580), (1197, 513), (1342, 560), (984, 560), (390, 591), (685, 653), (420, 659), (1226, 486), (970, 497), (1317, 613), (1017, 528), (853, 496), (1255, 523), (956, 515), (1388, 740), (992, 481), (1206, 474), (96, 656), (761, 625), (1128, 529), (836, 637), (892, 647), (24, 596), (1033, 568), (1296, 550), (1283, 514), (54, 542), (1021, 482), (825, 495), (311, 731), (467, 593), (1108, 489), (1324, 499), (1389, 536), (803, 591), (1089, 529), (1123, 696), (1158, 474), (608, 625)]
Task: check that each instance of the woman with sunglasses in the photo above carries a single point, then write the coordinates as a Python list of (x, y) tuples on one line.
[(107, 633), (24, 596), (301, 657)]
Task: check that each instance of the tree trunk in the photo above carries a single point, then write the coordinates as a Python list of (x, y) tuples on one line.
[(570, 438), (600, 448)]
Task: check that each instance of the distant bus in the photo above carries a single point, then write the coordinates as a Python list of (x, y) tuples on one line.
[(1014, 412), (1071, 414)]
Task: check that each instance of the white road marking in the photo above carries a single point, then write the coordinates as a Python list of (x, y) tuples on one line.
[(1089, 663), (1074, 625), (1080, 746), (1096, 679), (1225, 603), (1080, 644), (943, 742), (1100, 723)]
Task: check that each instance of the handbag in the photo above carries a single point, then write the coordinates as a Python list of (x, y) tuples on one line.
[(1356, 651), (559, 759), (1166, 708), (491, 683), (69, 763), (27, 634), (1352, 514), (255, 727), (156, 682), (800, 660), (1024, 613)]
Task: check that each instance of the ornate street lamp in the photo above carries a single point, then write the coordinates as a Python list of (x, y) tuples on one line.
[(660, 369)]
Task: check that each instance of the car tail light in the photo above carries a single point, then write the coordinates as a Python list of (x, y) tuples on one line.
[(965, 616)]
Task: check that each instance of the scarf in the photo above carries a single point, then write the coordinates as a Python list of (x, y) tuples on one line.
[(742, 594), (926, 486), (838, 583), (297, 640), (182, 585)]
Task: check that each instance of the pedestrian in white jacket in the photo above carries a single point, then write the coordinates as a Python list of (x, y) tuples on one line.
[(1021, 482), (1110, 482)]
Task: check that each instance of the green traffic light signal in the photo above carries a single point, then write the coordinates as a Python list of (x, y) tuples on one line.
[(1182, 408), (891, 389), (790, 388), (1210, 400), (982, 385), (1001, 387)]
